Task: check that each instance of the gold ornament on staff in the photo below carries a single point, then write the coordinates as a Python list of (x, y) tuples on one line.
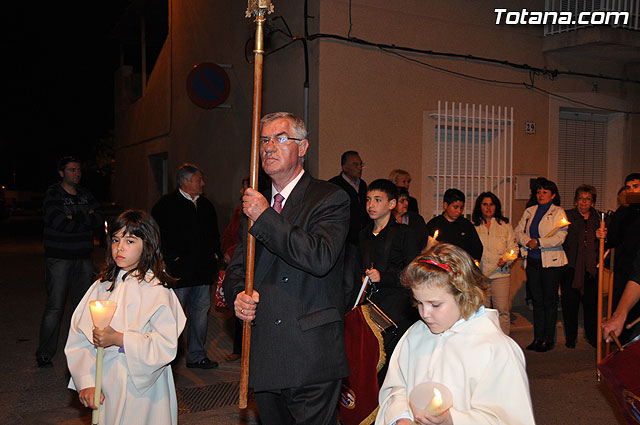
[(562, 223), (257, 9)]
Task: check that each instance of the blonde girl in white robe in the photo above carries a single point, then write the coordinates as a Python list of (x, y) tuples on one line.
[(142, 339), (458, 343)]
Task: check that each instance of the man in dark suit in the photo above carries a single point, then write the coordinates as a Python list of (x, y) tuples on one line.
[(191, 248), (350, 180), (298, 354)]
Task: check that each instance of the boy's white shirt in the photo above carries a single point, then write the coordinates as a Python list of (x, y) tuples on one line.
[(483, 368), (151, 320)]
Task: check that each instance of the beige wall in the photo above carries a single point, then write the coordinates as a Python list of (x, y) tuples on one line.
[(374, 102)]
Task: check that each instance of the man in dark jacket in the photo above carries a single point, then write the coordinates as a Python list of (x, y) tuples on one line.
[(453, 227), (350, 180), (191, 248), (298, 356), (71, 214)]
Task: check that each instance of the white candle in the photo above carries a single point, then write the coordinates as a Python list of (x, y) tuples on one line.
[(506, 257), (101, 315), (562, 223), (431, 240)]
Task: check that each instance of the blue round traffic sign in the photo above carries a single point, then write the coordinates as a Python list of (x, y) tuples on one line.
[(208, 85)]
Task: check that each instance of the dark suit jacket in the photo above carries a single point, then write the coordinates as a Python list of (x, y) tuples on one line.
[(297, 337), (390, 257), (359, 216), (190, 238)]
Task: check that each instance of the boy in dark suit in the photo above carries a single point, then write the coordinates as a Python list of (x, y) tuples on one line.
[(385, 249), (453, 228)]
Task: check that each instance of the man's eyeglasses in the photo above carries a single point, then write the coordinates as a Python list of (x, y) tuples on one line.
[(278, 140)]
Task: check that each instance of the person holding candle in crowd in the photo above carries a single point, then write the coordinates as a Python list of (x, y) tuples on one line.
[(499, 251), (459, 344), (142, 339), (540, 234), (580, 283), (453, 227)]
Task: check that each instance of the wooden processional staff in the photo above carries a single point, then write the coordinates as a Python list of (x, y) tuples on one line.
[(600, 285), (258, 9)]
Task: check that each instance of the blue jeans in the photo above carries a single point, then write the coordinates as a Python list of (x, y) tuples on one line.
[(195, 301), (63, 276)]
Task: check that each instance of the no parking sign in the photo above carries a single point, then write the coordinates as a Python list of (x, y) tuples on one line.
[(208, 85)]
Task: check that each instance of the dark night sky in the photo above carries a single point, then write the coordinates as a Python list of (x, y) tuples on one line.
[(57, 79)]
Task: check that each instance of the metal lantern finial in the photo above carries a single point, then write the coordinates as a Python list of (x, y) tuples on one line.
[(258, 8)]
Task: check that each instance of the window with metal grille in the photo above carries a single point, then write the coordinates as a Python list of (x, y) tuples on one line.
[(582, 154), (472, 151)]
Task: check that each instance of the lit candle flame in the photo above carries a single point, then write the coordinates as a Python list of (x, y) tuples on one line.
[(436, 401), (435, 235)]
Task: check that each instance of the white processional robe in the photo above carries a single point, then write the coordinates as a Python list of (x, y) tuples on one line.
[(137, 381), (483, 368)]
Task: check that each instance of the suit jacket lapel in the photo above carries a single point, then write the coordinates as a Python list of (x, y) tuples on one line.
[(290, 211), (296, 198)]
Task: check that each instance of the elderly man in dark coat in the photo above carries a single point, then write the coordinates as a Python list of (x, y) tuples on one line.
[(191, 248)]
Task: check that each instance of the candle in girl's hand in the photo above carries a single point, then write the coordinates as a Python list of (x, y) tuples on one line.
[(435, 234), (102, 312), (101, 315), (436, 401), (430, 398)]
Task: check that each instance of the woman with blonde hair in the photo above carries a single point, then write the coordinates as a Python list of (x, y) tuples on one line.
[(402, 178)]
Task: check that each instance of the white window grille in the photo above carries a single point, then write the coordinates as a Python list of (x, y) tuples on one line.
[(582, 155), (472, 151)]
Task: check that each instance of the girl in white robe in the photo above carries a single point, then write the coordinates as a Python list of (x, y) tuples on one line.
[(459, 344), (142, 338)]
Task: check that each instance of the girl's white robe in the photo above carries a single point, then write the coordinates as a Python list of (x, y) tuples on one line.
[(138, 384), (483, 368)]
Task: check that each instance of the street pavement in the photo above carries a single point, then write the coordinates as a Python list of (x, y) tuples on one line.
[(563, 382)]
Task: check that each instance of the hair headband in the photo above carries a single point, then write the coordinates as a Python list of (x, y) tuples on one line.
[(445, 267)]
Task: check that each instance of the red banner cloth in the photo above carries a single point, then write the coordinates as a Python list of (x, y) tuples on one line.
[(220, 301), (621, 370), (365, 352)]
